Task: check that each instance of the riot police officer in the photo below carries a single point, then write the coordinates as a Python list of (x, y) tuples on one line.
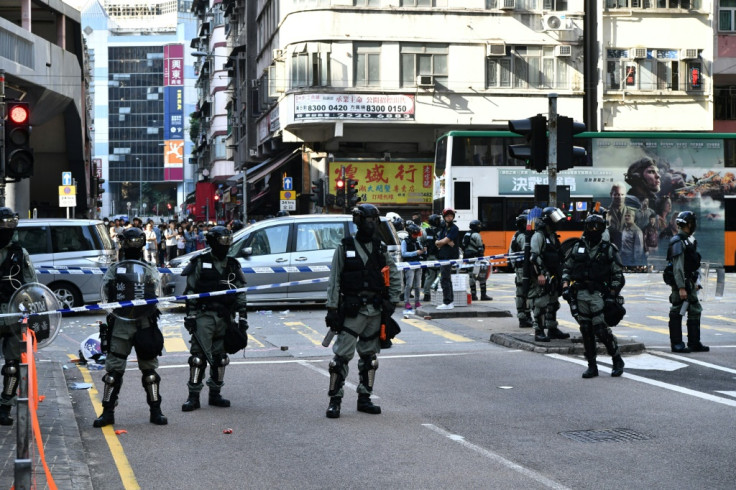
[(208, 319), (430, 274), (356, 295), (518, 242), (592, 274), (545, 262), (129, 327), (684, 258), (16, 269), (475, 248)]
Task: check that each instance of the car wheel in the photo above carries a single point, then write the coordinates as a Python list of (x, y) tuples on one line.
[(67, 294)]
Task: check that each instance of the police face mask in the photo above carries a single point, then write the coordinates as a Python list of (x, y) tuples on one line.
[(593, 237), (6, 235), (221, 246), (366, 229)]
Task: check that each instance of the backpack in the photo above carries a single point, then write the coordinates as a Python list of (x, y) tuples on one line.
[(669, 275), (466, 240)]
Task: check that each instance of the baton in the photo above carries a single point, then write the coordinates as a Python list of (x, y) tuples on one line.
[(328, 338)]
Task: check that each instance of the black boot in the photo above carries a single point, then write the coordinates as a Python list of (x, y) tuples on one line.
[(675, 326), (333, 409), (618, 366), (590, 346), (539, 335), (192, 402), (427, 298), (474, 297), (525, 324), (216, 399), (157, 417), (556, 333), (483, 295), (693, 337), (113, 381), (365, 404), (5, 418)]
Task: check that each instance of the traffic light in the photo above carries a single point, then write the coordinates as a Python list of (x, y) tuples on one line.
[(534, 152), (18, 152), (318, 192), (352, 193), (569, 155), (217, 196), (168, 206), (340, 197)]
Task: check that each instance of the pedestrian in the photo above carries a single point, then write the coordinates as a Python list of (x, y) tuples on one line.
[(160, 229), (430, 274), (545, 263), (170, 236), (190, 235), (592, 275), (151, 251), (132, 326), (181, 241), (210, 320), (473, 248), (412, 251), (200, 243), (448, 249), (518, 243), (357, 297), (16, 269), (682, 274)]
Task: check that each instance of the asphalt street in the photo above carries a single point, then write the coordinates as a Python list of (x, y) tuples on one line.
[(458, 410)]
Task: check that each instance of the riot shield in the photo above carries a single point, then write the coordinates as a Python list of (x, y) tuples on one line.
[(131, 280), (34, 298)]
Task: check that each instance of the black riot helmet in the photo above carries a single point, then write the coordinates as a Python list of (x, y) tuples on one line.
[(474, 225), (521, 222), (236, 225), (219, 239), (366, 217), (687, 218), (282, 213), (132, 243), (435, 220), (551, 216), (595, 225), (414, 231), (8, 223)]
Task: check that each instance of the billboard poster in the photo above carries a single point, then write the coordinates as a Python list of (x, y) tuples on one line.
[(381, 182), (174, 112), (173, 65), (649, 181), (377, 107)]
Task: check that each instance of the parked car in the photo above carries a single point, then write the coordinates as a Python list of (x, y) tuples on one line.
[(285, 244), (70, 243)]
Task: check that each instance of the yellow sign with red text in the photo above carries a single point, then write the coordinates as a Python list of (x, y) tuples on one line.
[(381, 182)]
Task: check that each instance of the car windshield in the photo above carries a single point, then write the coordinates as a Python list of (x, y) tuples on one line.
[(386, 230)]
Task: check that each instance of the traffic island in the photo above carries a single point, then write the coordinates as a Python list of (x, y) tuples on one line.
[(573, 345), (466, 311)]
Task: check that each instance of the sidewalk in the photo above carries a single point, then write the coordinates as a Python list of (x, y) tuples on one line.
[(62, 442)]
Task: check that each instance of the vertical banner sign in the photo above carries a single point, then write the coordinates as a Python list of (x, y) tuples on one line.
[(174, 112)]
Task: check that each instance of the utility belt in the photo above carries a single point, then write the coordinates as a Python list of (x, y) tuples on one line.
[(221, 310), (352, 303), (591, 286)]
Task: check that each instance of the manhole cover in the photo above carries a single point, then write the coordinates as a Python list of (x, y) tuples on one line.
[(605, 435)]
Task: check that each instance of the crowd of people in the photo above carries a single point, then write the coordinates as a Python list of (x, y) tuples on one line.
[(165, 241)]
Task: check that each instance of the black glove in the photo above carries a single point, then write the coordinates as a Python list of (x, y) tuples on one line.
[(388, 307), (190, 323), (566, 294), (243, 324), (333, 320)]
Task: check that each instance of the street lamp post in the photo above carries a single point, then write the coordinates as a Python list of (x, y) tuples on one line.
[(140, 184)]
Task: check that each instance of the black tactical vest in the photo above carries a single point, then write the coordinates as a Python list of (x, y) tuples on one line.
[(689, 251), (358, 277), (211, 280), (11, 272), (411, 246), (551, 255), (595, 269)]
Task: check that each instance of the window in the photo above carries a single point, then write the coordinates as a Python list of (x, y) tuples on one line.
[(516, 4), (272, 240), (423, 59), (310, 65), (71, 239), (727, 15), (649, 4), (367, 64), (725, 105), (33, 239), (659, 70), (318, 236), (558, 5), (367, 3), (534, 67), (417, 3)]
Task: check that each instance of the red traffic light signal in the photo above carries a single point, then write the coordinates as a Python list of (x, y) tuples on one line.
[(18, 151), (18, 114), (168, 205)]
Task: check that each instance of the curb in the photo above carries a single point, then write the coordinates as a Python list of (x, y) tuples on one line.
[(572, 345), (462, 312)]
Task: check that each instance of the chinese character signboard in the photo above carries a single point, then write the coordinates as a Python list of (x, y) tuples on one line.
[(174, 112), (382, 182), (354, 106)]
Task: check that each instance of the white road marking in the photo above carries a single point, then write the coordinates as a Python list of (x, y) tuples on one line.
[(729, 393), (695, 361), (647, 361), (498, 458), (641, 379)]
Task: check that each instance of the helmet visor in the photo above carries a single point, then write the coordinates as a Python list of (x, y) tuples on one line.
[(556, 215), (9, 222), (224, 240), (136, 242)]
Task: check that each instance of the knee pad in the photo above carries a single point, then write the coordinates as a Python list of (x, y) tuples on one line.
[(10, 368), (150, 381), (336, 376), (196, 369)]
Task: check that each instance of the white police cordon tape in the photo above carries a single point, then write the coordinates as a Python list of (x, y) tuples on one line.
[(462, 263)]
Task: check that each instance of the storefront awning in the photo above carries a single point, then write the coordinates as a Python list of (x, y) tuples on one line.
[(261, 170)]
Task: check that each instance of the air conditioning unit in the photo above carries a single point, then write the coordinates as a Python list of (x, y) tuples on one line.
[(253, 152), (255, 83), (425, 81), (496, 49), (731, 91), (563, 50), (637, 53), (689, 54), (556, 22), (278, 54), (507, 4)]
